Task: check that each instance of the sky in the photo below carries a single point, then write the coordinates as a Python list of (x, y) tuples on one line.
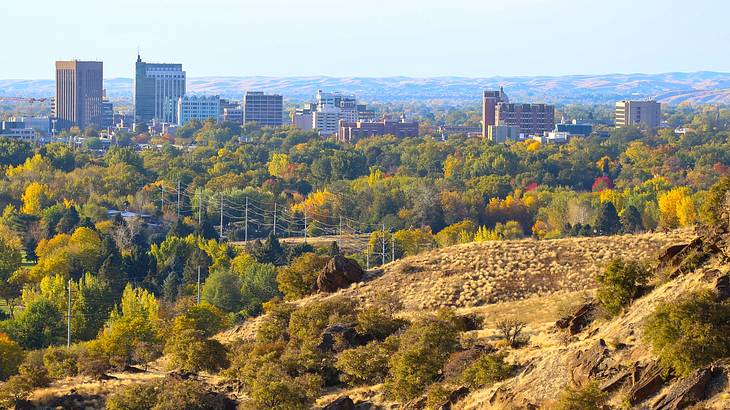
[(369, 38)]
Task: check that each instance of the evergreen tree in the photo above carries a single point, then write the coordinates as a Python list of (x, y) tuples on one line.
[(170, 287), (68, 221), (608, 222), (631, 220)]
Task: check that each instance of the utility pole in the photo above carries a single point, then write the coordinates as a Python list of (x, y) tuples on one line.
[(221, 236), (245, 232), (178, 199), (305, 226), (198, 284), (367, 258), (274, 218), (162, 198), (68, 324), (339, 235), (383, 231)]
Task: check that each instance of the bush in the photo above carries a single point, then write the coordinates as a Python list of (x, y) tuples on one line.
[(93, 362), (11, 355), (377, 322), (366, 364), (138, 396), (437, 394), (206, 318), (485, 371), (691, 332), (298, 279), (274, 389), (511, 331), (17, 388), (33, 370), (189, 394), (191, 351), (60, 362), (588, 398), (620, 284), (222, 289), (423, 349), (275, 325), (715, 201)]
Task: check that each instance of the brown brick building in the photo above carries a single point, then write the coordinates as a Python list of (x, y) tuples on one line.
[(353, 131), (79, 93), (531, 118)]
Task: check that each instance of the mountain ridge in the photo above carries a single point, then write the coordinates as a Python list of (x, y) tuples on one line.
[(671, 88)]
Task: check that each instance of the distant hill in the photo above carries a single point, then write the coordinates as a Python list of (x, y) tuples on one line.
[(673, 88)]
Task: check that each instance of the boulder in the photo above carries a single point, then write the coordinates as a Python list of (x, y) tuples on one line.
[(686, 392), (594, 363), (454, 397), (578, 320), (339, 337), (419, 403), (340, 272), (648, 380), (341, 403), (722, 287), (669, 256)]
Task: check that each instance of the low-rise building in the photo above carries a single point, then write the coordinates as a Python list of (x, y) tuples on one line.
[(575, 129), (503, 133), (197, 108), (351, 132)]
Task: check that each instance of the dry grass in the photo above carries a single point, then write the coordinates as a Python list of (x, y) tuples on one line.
[(350, 243), (478, 274)]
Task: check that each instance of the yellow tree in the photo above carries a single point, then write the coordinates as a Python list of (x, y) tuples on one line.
[(279, 165), (676, 208), (35, 198)]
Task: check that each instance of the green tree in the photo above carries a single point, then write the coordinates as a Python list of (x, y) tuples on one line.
[(299, 278), (222, 289), (608, 222), (620, 283)]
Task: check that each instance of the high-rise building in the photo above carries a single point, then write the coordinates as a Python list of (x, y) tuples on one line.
[(157, 89), (198, 108), (107, 112), (263, 109), (78, 100), (327, 112), (642, 113), (533, 119), (490, 99)]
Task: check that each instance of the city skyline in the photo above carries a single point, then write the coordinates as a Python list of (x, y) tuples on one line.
[(412, 39)]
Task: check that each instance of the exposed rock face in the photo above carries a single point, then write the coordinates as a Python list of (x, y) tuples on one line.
[(454, 397), (595, 363), (650, 380), (669, 256), (687, 391), (341, 403), (340, 272), (578, 320)]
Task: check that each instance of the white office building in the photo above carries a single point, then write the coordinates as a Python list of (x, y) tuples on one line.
[(197, 108)]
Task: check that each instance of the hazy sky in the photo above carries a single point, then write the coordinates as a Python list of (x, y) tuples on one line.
[(419, 38)]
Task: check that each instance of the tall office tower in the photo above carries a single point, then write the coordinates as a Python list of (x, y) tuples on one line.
[(533, 119), (199, 108), (78, 101), (157, 89), (642, 113), (490, 99), (263, 109)]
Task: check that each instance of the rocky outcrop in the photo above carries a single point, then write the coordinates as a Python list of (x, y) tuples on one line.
[(454, 397), (648, 381), (594, 363), (579, 319), (722, 287), (686, 392), (341, 403), (339, 273)]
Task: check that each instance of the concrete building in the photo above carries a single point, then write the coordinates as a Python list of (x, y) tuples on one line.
[(351, 132), (328, 110), (199, 108), (107, 112), (234, 115), (553, 137), (157, 89), (303, 118), (532, 119), (41, 125), (640, 113), (263, 109), (490, 99), (503, 133), (78, 100), (18, 130)]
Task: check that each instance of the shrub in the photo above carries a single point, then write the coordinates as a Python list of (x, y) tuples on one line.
[(189, 394), (11, 355), (437, 394), (60, 362), (298, 279), (377, 322), (459, 232), (191, 350), (275, 325), (423, 349), (486, 370), (366, 364), (620, 284), (206, 318), (17, 388), (137, 396), (33, 370), (715, 201), (274, 389), (511, 330), (94, 362), (691, 332), (588, 398)]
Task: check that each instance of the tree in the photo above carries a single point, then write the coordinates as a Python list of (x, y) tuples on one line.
[(299, 278), (608, 222), (690, 332), (37, 326), (35, 198), (222, 289), (258, 285), (511, 330), (191, 350), (631, 220), (620, 284), (716, 201), (676, 208), (11, 355)]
